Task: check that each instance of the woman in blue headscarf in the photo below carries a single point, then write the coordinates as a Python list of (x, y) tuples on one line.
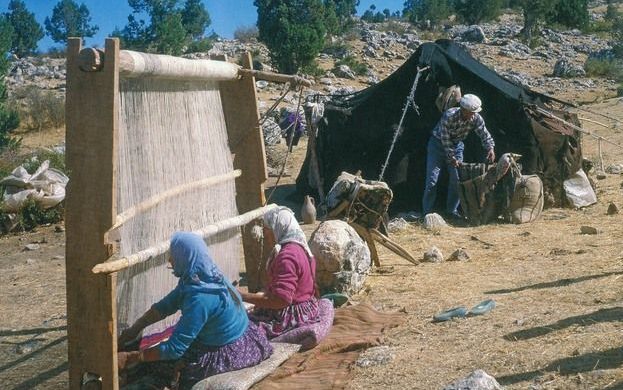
[(213, 334)]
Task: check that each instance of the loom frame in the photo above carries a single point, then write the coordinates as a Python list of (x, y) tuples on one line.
[(92, 123)]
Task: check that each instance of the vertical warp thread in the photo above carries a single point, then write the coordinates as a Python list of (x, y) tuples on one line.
[(171, 132)]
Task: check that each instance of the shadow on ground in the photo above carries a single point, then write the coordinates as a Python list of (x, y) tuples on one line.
[(555, 283), (612, 314), (600, 360)]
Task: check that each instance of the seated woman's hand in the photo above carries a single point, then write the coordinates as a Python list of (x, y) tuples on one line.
[(127, 359), (126, 337)]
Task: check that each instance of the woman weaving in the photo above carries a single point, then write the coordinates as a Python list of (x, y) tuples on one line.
[(290, 297), (213, 334)]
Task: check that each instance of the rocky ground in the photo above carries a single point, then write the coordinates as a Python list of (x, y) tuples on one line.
[(559, 316)]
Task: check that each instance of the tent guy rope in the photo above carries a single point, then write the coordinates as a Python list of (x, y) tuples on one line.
[(410, 100)]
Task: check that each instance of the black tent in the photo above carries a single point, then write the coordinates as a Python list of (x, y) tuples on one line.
[(356, 130)]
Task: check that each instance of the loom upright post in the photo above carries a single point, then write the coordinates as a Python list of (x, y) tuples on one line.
[(246, 143), (92, 124)]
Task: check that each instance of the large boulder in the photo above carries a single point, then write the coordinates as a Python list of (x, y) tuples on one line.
[(342, 258)]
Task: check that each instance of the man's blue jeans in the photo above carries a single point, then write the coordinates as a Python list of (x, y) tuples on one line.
[(436, 158)]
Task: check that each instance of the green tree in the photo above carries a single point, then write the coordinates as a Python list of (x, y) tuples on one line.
[(293, 31), (69, 20), (534, 11), (195, 19), (9, 120), (344, 10), (477, 11), (435, 11), (571, 13), (26, 31), (331, 21), (611, 11), (166, 26)]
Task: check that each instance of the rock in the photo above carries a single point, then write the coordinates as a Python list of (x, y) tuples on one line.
[(375, 356), (58, 229), (344, 71), (342, 258), (32, 247), (477, 380), (459, 255), (397, 224), (30, 261), (26, 347), (588, 230), (434, 221), (600, 175), (261, 84), (474, 34), (564, 68), (615, 169), (272, 132), (612, 209), (58, 257), (433, 255)]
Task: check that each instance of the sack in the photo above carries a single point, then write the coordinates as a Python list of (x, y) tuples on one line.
[(527, 202)]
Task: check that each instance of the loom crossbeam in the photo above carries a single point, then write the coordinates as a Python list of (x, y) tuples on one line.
[(163, 247)]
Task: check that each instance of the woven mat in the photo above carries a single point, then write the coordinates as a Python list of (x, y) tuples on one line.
[(327, 366)]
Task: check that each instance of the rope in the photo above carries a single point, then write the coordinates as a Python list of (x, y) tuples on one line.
[(410, 101), (285, 160), (272, 108)]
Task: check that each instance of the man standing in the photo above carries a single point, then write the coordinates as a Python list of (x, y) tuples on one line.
[(445, 147)]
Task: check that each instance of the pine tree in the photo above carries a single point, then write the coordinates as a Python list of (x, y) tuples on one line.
[(434, 11), (533, 12), (169, 27), (69, 20), (476, 11), (571, 13), (9, 120), (293, 30), (26, 31)]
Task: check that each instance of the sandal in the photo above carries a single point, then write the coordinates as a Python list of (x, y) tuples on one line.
[(482, 308), (457, 312)]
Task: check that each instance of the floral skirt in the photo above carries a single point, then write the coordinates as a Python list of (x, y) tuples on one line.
[(201, 361), (276, 322)]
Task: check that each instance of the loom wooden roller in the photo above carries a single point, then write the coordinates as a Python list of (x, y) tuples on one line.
[(135, 64)]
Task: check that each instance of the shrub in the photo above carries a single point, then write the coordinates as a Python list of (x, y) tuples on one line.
[(30, 216), (246, 33), (41, 108), (313, 70), (604, 68), (393, 26), (354, 65)]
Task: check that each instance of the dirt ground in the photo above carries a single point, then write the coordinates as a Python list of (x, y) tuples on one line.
[(558, 323)]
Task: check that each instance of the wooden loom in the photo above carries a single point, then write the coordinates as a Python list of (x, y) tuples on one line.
[(92, 116)]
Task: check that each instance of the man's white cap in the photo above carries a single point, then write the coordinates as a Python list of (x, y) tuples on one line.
[(471, 103)]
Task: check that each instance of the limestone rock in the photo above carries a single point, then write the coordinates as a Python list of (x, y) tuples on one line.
[(459, 255), (433, 255), (612, 209), (615, 169), (564, 68), (477, 380), (375, 356), (397, 224), (342, 258), (588, 230), (434, 221), (474, 34)]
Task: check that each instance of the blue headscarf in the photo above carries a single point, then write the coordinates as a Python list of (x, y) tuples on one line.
[(194, 266)]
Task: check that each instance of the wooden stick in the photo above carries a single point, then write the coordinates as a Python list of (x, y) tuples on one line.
[(276, 77), (367, 237), (158, 198), (601, 157), (595, 122), (393, 246), (210, 230)]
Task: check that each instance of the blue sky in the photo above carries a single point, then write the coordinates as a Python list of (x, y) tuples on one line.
[(226, 15)]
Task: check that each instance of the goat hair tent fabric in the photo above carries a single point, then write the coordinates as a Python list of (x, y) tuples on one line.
[(356, 130)]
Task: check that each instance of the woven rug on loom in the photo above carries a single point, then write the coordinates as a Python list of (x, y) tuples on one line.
[(328, 366)]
